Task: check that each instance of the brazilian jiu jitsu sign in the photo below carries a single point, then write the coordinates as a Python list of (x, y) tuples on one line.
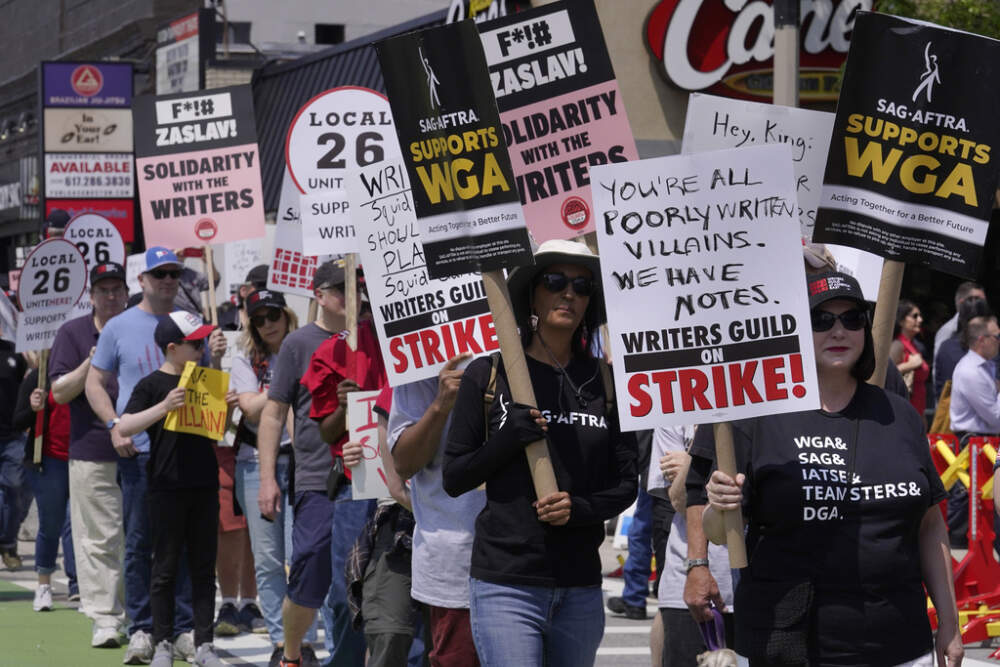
[(197, 163), (712, 239), (561, 110), (449, 130), (910, 173)]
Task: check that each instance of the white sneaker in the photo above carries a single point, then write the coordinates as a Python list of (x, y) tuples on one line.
[(140, 649), (184, 646), (207, 657), (43, 598), (164, 655), (105, 637)]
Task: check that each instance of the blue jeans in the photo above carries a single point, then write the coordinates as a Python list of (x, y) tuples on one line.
[(50, 485), (640, 552), (534, 625), (12, 507), (270, 542), (139, 553), (346, 645)]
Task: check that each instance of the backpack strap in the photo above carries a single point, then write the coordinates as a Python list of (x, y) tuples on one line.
[(490, 392), (609, 385)]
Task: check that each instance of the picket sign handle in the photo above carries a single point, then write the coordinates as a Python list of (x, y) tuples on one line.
[(213, 317), (43, 373), (518, 379), (351, 293), (733, 519), (885, 317)]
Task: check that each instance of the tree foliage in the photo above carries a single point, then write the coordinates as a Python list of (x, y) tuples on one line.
[(978, 16)]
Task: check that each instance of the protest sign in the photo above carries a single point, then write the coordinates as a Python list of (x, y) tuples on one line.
[(291, 271), (421, 321), (910, 173), (561, 111), (714, 123), (449, 130), (713, 240), (198, 170), (338, 130), (368, 478), (204, 409), (53, 279), (134, 265), (97, 239)]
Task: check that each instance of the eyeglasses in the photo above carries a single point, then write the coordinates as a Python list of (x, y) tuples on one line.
[(556, 282), (272, 315), (160, 274), (853, 319)]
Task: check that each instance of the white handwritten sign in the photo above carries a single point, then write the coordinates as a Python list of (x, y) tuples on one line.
[(713, 240), (368, 478)]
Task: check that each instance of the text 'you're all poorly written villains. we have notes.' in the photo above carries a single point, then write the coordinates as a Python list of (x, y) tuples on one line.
[(702, 268)]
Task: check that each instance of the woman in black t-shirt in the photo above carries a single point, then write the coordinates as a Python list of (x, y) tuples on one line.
[(844, 528), (535, 590)]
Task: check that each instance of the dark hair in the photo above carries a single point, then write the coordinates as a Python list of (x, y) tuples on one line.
[(584, 335), (967, 310), (964, 289), (904, 308), (865, 365), (977, 326)]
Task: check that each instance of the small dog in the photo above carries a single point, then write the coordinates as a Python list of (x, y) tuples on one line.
[(722, 658)]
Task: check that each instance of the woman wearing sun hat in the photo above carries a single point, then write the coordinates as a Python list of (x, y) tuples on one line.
[(536, 572)]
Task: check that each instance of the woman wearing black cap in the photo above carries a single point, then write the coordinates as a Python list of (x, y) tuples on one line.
[(844, 530), (535, 590)]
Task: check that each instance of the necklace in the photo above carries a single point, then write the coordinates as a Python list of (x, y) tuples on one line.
[(563, 375)]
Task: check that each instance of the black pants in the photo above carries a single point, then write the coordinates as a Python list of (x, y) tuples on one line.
[(178, 519), (663, 517)]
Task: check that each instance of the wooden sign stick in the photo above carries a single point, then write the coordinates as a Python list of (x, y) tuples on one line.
[(351, 294), (43, 372), (518, 379), (213, 317), (725, 456), (313, 310), (885, 317)]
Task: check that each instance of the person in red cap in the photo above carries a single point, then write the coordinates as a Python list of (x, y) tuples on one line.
[(183, 489)]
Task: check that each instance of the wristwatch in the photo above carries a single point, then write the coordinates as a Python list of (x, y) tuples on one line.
[(111, 423), (690, 563)]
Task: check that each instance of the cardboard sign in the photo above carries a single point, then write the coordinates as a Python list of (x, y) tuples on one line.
[(449, 130), (368, 478), (338, 130), (198, 168), (291, 270), (911, 174), (53, 279), (75, 175), (561, 111), (711, 239), (714, 123), (421, 321), (204, 409)]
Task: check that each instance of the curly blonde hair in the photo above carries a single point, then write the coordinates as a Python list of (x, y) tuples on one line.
[(254, 346)]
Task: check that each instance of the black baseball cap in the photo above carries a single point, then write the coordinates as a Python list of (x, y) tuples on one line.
[(257, 276), (264, 299), (105, 271), (57, 218), (831, 285), (329, 274)]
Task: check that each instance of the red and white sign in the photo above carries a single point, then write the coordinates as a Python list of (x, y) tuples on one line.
[(121, 212), (727, 48), (86, 175), (291, 271), (87, 80), (368, 479)]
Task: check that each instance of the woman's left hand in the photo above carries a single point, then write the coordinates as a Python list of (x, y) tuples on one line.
[(232, 398), (554, 508), (948, 647)]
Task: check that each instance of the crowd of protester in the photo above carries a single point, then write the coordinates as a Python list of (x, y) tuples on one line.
[(462, 564)]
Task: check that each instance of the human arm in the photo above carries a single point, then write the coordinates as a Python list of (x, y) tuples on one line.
[(397, 487), (135, 422), (24, 412), (701, 590), (677, 492), (252, 405), (100, 403), (333, 426), (272, 418), (417, 444), (70, 385), (935, 566), (913, 362)]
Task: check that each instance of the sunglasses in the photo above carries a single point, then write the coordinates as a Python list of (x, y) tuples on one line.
[(160, 274), (556, 282), (853, 319), (272, 315)]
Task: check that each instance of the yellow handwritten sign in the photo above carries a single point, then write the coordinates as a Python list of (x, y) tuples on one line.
[(204, 409)]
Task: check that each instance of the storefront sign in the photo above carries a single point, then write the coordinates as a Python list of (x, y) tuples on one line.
[(88, 130), (121, 212), (71, 175), (727, 48), (100, 84)]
